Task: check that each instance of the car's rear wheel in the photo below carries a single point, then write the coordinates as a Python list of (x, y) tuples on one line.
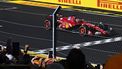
[(82, 31), (47, 24)]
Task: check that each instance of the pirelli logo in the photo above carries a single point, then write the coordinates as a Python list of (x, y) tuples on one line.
[(70, 1), (110, 4)]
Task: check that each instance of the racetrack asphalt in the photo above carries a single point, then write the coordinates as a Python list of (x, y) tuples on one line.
[(25, 25)]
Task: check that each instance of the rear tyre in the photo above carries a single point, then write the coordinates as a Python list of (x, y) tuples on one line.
[(82, 31), (47, 24)]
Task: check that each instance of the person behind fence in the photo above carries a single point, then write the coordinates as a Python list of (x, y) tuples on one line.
[(76, 59), (26, 57), (3, 58)]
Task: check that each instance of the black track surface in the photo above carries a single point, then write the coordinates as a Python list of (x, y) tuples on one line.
[(25, 24)]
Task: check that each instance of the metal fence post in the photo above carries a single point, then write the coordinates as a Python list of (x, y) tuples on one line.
[(54, 23)]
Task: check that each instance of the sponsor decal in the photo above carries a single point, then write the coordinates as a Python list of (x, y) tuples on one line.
[(70, 1), (110, 4)]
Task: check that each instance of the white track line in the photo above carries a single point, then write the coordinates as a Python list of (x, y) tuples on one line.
[(16, 23), (1, 26), (28, 12), (31, 37), (84, 44), (11, 8)]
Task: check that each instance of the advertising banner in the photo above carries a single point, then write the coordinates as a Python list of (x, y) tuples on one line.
[(113, 5), (69, 2), (110, 4)]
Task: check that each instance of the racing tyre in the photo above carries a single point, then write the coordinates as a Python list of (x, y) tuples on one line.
[(47, 24), (82, 31)]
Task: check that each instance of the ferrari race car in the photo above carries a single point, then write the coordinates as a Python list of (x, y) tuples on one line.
[(80, 26)]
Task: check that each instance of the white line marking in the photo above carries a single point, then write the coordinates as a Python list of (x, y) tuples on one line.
[(28, 12), (1, 26), (97, 42), (16, 23), (11, 8), (31, 37), (84, 44)]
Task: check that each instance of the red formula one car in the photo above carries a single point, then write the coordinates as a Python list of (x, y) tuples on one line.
[(76, 25)]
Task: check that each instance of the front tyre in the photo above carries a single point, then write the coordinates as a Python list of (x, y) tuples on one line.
[(47, 24)]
